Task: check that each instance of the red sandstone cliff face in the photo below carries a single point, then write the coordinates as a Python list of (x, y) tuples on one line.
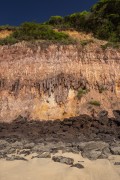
[(42, 81)]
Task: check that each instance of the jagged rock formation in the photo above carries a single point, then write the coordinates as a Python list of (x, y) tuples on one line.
[(41, 81)]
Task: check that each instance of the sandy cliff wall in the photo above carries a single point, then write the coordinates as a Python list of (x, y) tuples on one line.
[(42, 81)]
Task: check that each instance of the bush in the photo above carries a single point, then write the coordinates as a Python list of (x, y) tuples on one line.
[(56, 20), (8, 40), (81, 92), (34, 31), (77, 20), (114, 45), (104, 32), (95, 103), (31, 31)]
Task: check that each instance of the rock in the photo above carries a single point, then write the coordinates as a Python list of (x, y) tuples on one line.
[(20, 119), (94, 150), (29, 145), (117, 163), (115, 143), (3, 144), (67, 122), (103, 117), (103, 156), (17, 145), (7, 150), (117, 114), (40, 148), (11, 151), (36, 148), (25, 152), (43, 155), (92, 144), (81, 145), (76, 129), (61, 159), (70, 149), (3, 156), (53, 150), (13, 157), (105, 153), (92, 155), (79, 166), (115, 150), (103, 114)]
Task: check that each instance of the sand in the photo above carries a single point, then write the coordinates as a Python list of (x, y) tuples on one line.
[(46, 169)]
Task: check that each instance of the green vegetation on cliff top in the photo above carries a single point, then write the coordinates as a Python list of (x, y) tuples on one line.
[(103, 21), (30, 31)]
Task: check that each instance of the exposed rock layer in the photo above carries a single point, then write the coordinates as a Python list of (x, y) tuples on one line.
[(69, 130), (41, 81), (94, 138)]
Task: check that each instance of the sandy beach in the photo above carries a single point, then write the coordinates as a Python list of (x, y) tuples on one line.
[(46, 169)]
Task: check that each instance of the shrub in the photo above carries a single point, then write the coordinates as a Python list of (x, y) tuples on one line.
[(56, 20), (104, 32), (95, 103), (34, 31), (104, 46), (31, 31), (77, 20), (81, 92), (8, 40), (114, 45)]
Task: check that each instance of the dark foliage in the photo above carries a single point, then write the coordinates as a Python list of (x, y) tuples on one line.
[(103, 20)]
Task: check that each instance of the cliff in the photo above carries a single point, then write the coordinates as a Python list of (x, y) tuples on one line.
[(50, 81)]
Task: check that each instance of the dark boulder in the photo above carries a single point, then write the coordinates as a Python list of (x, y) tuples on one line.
[(13, 158), (42, 155), (94, 150), (25, 152), (115, 150), (77, 165), (61, 159)]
